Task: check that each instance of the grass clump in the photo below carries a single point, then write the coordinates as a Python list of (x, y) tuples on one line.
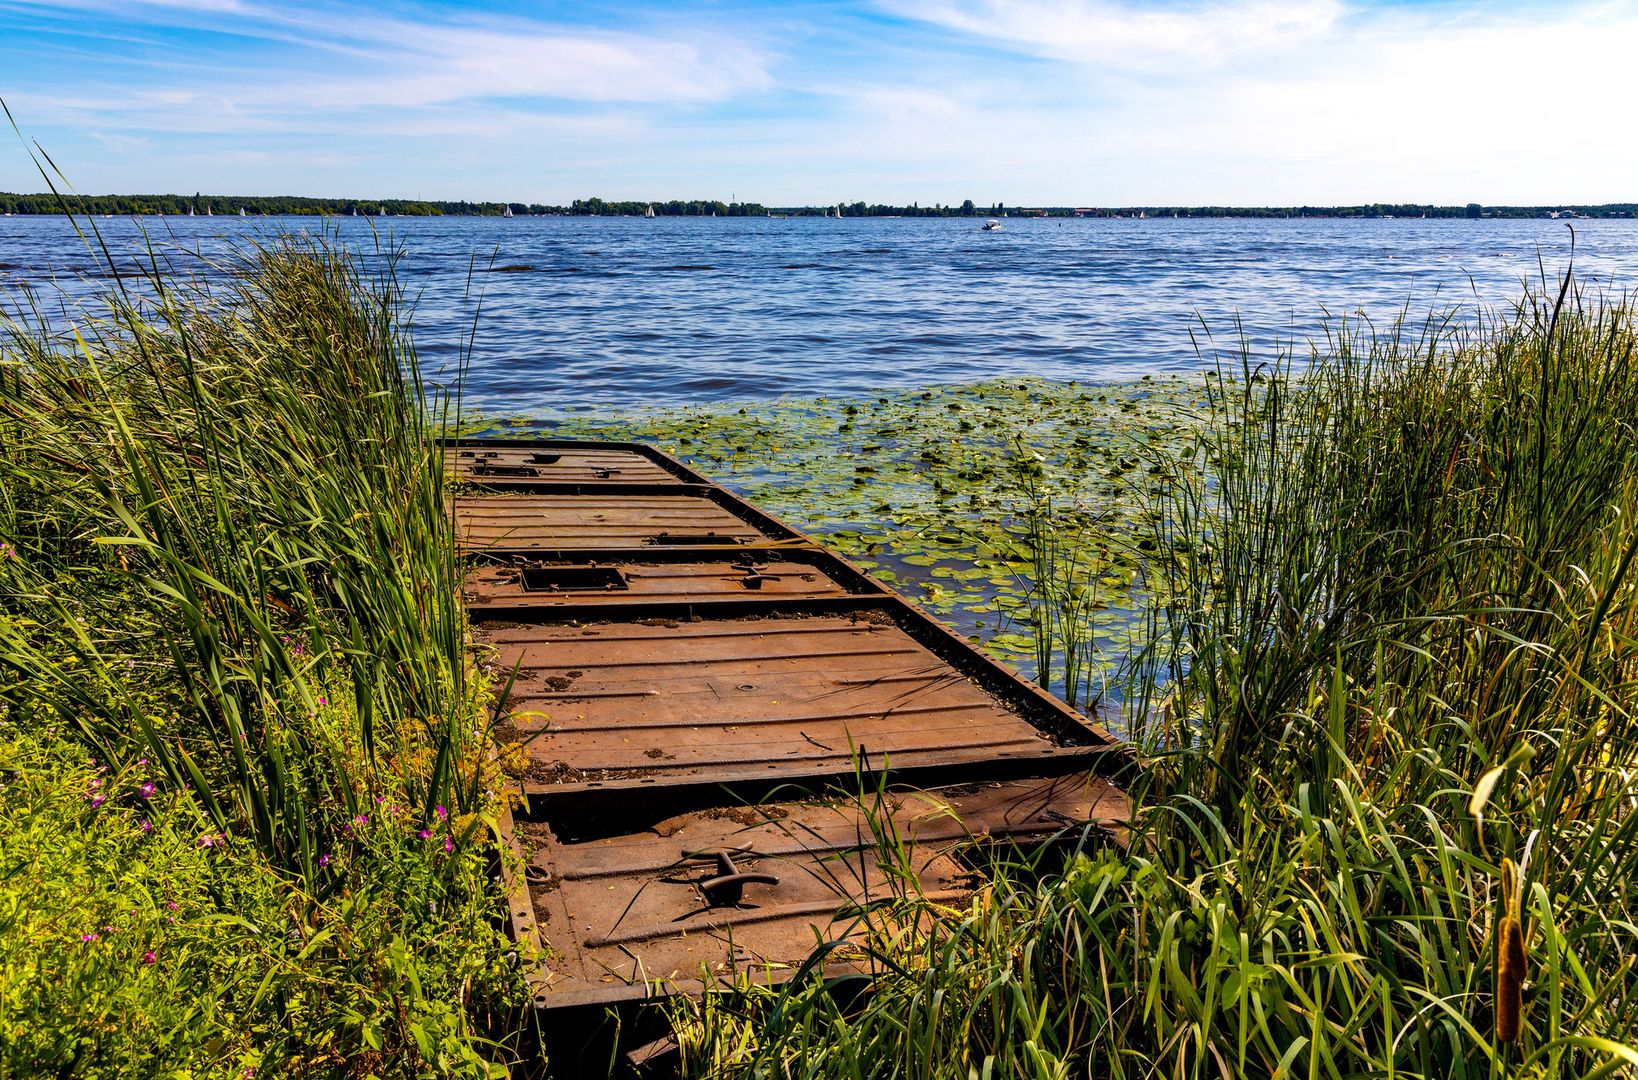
[(1386, 822), (233, 677)]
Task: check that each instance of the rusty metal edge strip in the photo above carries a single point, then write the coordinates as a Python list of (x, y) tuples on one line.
[(520, 913), (632, 609), (750, 787), (807, 554)]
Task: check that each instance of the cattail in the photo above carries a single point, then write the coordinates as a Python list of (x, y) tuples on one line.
[(1509, 960), (1509, 980)]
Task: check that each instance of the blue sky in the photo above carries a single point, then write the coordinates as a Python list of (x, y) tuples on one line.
[(1082, 102)]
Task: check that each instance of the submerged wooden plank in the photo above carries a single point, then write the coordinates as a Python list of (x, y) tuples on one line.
[(562, 522), (501, 461)]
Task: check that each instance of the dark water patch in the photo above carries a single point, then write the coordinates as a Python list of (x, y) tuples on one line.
[(512, 268), (715, 384), (687, 266)]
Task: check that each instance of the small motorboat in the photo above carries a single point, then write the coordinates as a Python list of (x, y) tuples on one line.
[(991, 225)]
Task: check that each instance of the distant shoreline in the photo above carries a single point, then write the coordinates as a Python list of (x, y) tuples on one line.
[(46, 204)]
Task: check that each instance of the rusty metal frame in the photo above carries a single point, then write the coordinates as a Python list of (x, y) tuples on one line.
[(1081, 744)]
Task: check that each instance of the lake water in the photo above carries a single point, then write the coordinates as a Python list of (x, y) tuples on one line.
[(674, 310)]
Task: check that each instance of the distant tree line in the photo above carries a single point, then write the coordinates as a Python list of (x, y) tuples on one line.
[(231, 205), (276, 205), (1368, 210)]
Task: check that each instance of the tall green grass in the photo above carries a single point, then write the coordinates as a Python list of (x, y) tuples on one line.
[(1385, 825), (229, 571)]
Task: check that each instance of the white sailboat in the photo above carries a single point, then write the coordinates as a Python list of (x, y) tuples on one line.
[(508, 211), (838, 209), (649, 210), (242, 211), (383, 210)]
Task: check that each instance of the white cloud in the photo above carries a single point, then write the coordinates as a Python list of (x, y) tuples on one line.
[(1324, 105), (1132, 37), (460, 64)]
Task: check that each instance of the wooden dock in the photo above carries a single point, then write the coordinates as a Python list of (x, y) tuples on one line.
[(702, 692)]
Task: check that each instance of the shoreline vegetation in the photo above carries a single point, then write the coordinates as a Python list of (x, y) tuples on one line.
[(50, 203), (1370, 615), (244, 793)]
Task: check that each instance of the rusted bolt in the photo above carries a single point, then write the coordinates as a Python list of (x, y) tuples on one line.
[(727, 888)]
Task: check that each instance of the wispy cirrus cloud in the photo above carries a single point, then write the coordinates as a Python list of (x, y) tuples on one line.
[(1132, 36), (399, 62)]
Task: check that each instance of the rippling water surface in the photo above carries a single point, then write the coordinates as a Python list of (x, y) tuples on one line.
[(583, 311)]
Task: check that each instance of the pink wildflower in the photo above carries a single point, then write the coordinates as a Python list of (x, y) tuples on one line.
[(449, 843), (98, 800), (145, 825), (443, 814), (149, 957), (147, 790), (425, 834)]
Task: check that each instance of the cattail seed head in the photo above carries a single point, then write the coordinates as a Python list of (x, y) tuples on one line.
[(1509, 979)]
